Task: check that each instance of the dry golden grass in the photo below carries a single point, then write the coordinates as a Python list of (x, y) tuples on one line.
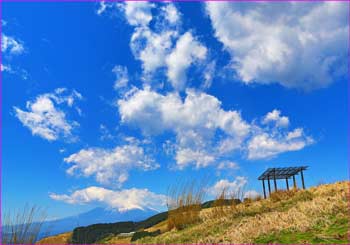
[(162, 226), (63, 238), (300, 217), (184, 204), (243, 223), (118, 240)]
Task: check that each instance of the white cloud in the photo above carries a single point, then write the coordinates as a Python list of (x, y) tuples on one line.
[(105, 133), (171, 13), (122, 200), (188, 156), (9, 45), (194, 120), (102, 7), (297, 133), (283, 43), (228, 165), (159, 46), (275, 117), (268, 142), (110, 165), (251, 194), (46, 119), (121, 76), (6, 68), (138, 13), (233, 188), (187, 51), (197, 119), (265, 145), (151, 47), (154, 112), (209, 74), (227, 145)]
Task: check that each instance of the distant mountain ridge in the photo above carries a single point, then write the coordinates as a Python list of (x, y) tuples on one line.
[(94, 216)]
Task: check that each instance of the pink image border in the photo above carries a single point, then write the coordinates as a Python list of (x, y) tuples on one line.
[(96, 1)]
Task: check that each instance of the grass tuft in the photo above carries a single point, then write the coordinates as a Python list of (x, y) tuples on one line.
[(22, 227)]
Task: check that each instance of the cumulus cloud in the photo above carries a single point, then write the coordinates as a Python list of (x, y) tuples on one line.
[(275, 117), (45, 116), (198, 119), (110, 166), (264, 145), (138, 13), (197, 110), (187, 51), (161, 46), (194, 120), (171, 13), (151, 47), (234, 187), (283, 43), (188, 156), (122, 200), (11, 46)]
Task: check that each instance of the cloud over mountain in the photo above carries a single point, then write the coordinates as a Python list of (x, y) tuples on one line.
[(121, 200)]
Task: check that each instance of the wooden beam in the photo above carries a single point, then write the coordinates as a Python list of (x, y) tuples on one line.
[(302, 179), (268, 181), (263, 182)]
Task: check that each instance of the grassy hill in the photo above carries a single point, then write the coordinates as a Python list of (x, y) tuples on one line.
[(63, 238), (317, 215)]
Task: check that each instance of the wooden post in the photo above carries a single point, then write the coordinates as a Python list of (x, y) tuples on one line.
[(294, 182), (268, 181), (302, 178), (275, 183), (274, 179), (287, 184), (263, 182)]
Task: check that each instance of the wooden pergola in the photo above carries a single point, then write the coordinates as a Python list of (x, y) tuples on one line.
[(282, 173)]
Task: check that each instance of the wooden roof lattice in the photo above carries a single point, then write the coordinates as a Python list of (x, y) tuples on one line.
[(281, 173)]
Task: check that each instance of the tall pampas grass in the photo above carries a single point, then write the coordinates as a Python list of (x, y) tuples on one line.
[(22, 226), (184, 203)]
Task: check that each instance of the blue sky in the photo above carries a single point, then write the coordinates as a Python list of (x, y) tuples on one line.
[(108, 104)]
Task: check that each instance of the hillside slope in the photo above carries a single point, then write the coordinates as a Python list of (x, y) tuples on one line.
[(317, 215)]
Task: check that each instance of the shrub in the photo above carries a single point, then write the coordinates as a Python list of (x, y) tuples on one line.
[(303, 195), (93, 233), (184, 204), (221, 203), (280, 195), (140, 234), (291, 195)]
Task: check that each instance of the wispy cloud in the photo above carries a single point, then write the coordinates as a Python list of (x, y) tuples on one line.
[(11, 46), (45, 117)]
